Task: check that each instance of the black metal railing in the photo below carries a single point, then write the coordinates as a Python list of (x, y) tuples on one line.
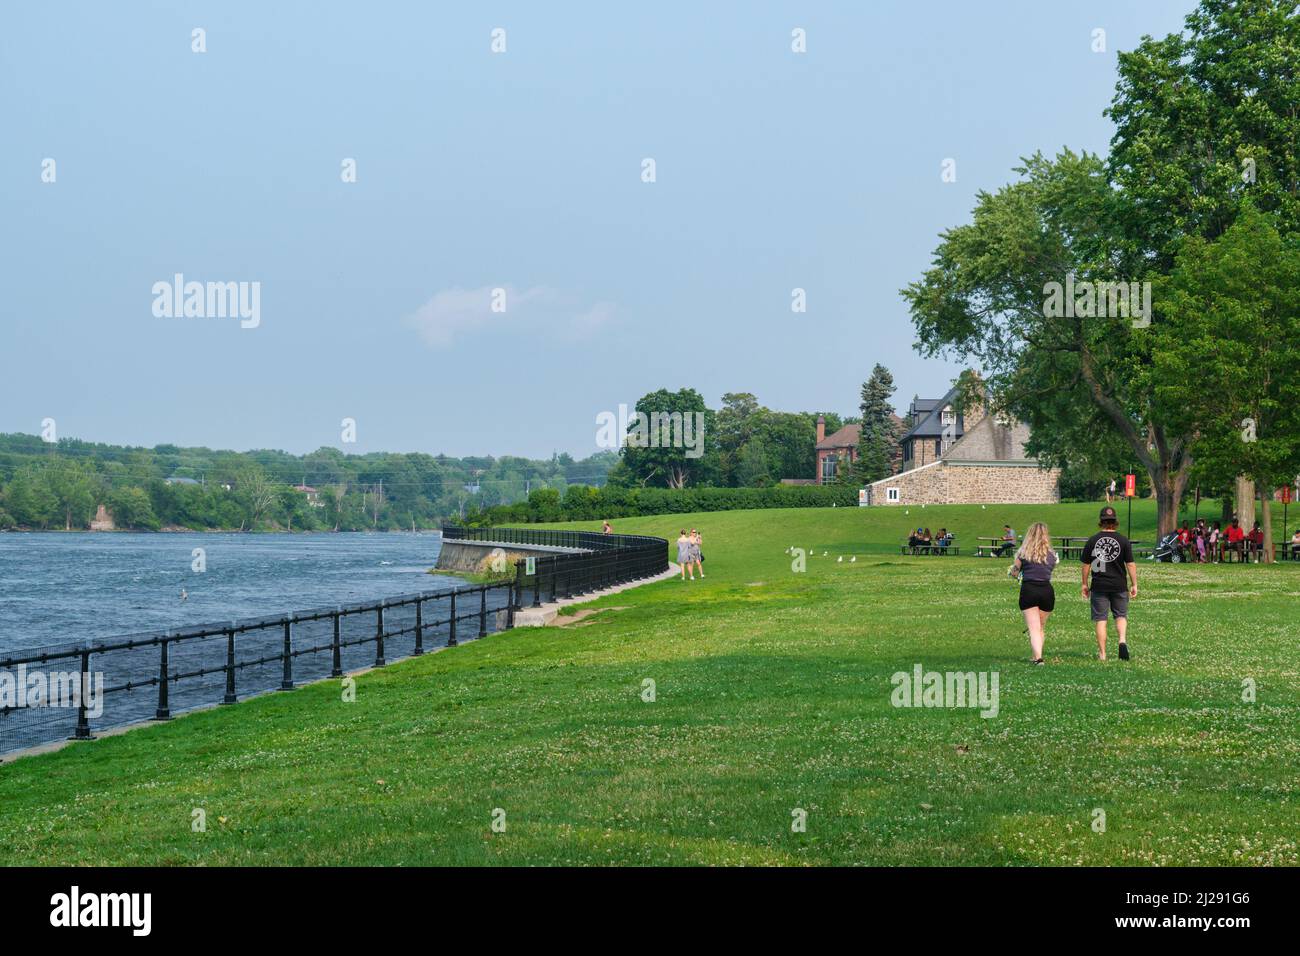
[(156, 675), (153, 676), (590, 561)]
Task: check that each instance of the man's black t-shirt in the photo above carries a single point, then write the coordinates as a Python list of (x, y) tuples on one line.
[(1108, 552)]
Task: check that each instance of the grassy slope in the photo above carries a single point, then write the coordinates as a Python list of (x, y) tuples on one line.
[(772, 693)]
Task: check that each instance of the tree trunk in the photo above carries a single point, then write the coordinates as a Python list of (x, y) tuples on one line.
[(1245, 502), (1266, 521), (1168, 488)]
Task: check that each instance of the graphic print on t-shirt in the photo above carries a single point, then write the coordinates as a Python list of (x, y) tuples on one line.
[(1105, 553)]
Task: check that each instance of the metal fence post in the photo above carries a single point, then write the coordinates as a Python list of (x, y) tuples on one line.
[(482, 611), (419, 629), (451, 634), (286, 682), (336, 670), (83, 721), (164, 710), (510, 605), (379, 637), (537, 583), (551, 564), (230, 697), (518, 590)]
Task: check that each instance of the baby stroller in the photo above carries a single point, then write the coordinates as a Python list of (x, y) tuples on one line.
[(1169, 550)]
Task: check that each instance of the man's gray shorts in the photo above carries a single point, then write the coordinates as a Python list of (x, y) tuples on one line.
[(1115, 602)]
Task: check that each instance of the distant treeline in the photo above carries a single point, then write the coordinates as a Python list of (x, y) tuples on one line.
[(61, 486), (587, 504)]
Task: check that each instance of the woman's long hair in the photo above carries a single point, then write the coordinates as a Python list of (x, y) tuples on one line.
[(1037, 545)]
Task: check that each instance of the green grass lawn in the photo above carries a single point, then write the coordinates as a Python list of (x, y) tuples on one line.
[(772, 694)]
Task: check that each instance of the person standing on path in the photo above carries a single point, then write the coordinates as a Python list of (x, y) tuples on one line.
[(697, 554), (1109, 580), (684, 554)]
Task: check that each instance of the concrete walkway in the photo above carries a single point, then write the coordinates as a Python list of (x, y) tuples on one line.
[(530, 616)]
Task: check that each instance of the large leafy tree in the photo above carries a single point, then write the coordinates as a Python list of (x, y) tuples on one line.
[(76, 486), (878, 438), (1204, 118), (664, 453), (1082, 382), (1229, 356)]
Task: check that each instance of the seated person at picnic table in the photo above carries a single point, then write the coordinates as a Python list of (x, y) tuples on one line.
[(914, 539), (945, 538), (1255, 539), (1008, 540), (1295, 544), (1235, 536), (926, 539)]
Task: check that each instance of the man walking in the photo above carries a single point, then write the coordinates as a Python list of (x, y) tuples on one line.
[(1108, 561)]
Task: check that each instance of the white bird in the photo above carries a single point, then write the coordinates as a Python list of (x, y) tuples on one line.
[(825, 553), (840, 559), (853, 560)]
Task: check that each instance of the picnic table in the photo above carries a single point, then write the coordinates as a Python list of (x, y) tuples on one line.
[(993, 548), (933, 548), (1071, 546)]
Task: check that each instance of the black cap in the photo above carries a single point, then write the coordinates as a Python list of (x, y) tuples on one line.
[(1108, 513)]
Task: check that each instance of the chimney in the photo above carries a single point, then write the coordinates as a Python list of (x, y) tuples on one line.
[(821, 428)]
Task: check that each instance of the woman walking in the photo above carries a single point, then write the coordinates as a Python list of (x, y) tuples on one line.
[(1035, 562), (697, 555), (684, 554)]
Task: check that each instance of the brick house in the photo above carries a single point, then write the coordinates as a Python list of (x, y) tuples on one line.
[(835, 452)]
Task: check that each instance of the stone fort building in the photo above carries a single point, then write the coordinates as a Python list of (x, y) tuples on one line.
[(970, 457)]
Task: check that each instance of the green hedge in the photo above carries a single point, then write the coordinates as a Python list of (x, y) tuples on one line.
[(583, 503)]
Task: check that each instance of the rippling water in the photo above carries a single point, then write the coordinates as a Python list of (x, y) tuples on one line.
[(58, 587)]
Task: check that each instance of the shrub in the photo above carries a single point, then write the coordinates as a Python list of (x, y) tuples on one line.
[(582, 503)]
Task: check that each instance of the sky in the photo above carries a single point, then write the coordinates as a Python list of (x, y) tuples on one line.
[(499, 271)]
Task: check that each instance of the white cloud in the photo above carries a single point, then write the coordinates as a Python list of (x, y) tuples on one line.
[(453, 313)]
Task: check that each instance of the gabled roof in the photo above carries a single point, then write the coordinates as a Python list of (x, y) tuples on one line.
[(844, 438), (931, 425)]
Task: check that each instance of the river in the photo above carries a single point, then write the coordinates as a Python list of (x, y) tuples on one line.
[(60, 587)]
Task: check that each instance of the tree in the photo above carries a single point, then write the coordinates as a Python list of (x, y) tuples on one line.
[(736, 422), (29, 499), (1232, 370), (1001, 292), (752, 468), (672, 445), (1203, 118), (878, 438), (255, 494), (75, 486), (132, 508)]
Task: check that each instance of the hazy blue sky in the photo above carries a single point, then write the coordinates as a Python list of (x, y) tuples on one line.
[(520, 171)]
